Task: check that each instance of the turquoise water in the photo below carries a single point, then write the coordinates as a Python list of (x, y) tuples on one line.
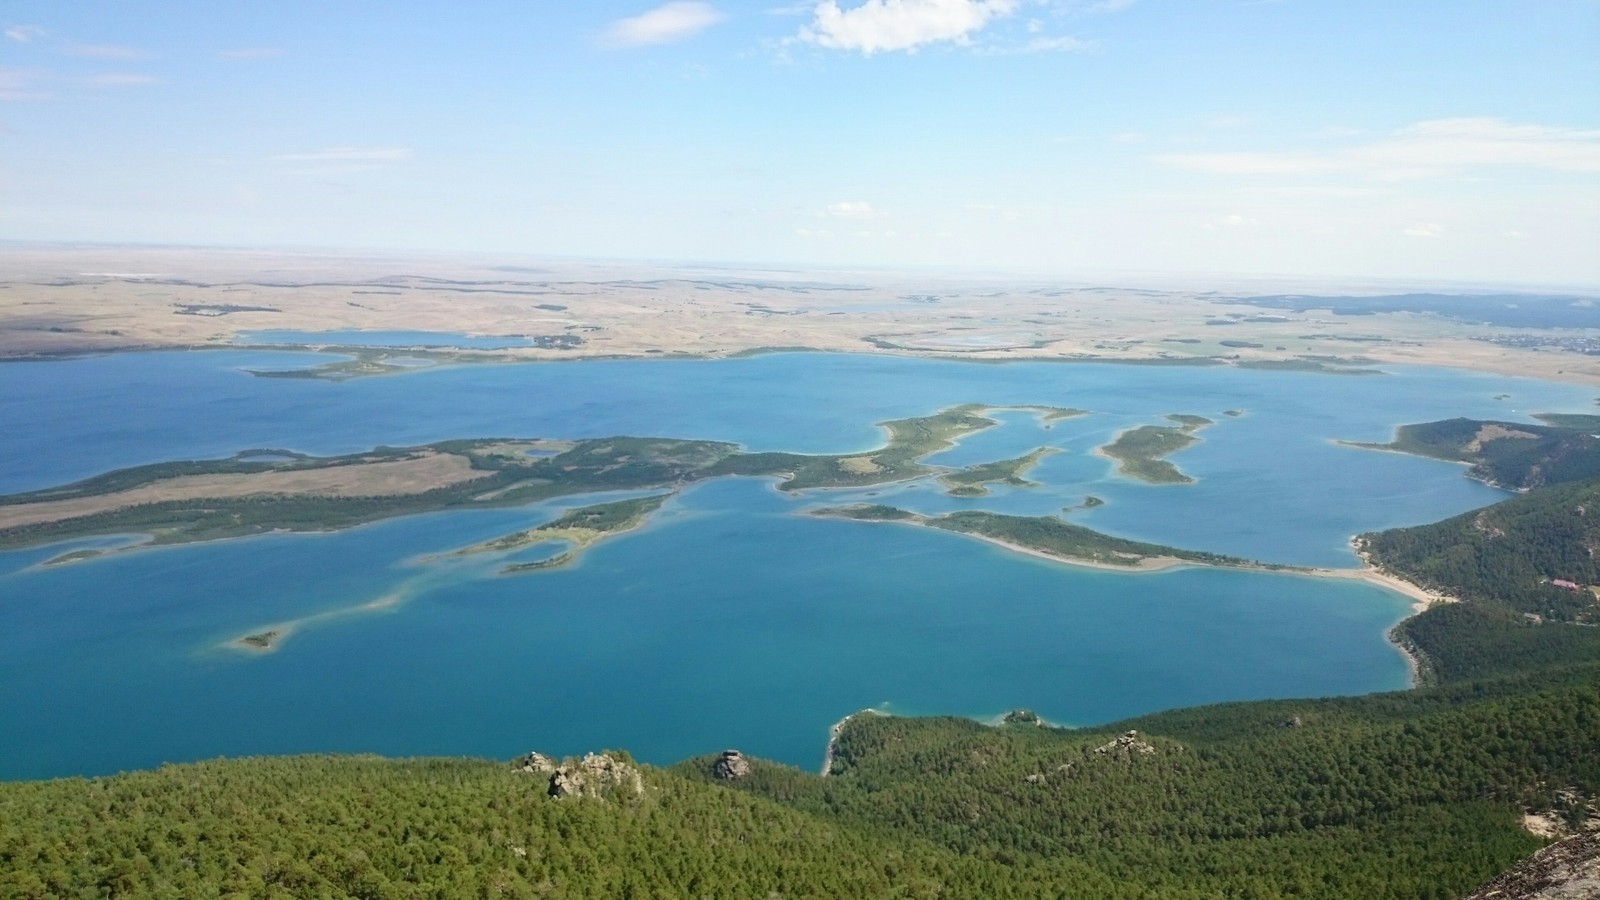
[(728, 621)]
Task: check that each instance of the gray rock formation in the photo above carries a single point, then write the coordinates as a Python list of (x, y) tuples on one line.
[(1567, 870), (1126, 745), (730, 765), (595, 776), (535, 764)]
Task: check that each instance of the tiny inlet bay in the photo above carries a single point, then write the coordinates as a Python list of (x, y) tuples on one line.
[(713, 611)]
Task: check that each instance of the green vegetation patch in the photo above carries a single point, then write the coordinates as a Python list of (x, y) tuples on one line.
[(1043, 534), (1310, 798), (1530, 554), (1305, 364), (910, 440), (973, 481), (1050, 535), (1140, 452), (579, 528), (1514, 455)]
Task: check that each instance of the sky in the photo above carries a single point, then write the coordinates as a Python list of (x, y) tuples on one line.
[(1455, 141)]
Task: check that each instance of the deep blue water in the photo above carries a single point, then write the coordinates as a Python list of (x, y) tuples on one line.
[(728, 621)]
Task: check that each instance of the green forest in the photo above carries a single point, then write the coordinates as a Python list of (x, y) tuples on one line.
[(1410, 794)]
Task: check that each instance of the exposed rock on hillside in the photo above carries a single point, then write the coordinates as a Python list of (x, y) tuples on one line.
[(596, 775), (535, 763), (1126, 745), (730, 765), (1568, 870)]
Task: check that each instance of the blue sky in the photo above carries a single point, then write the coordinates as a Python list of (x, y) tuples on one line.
[(1438, 140)]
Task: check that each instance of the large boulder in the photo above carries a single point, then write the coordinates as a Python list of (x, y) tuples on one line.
[(1127, 744), (535, 764), (730, 765)]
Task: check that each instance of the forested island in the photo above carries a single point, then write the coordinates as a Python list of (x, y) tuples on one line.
[(1141, 452)]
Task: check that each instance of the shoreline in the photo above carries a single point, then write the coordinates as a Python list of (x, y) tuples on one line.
[(1421, 598), (1516, 369), (834, 731)]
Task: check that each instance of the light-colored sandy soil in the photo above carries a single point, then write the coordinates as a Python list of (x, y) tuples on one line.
[(423, 472), (67, 301)]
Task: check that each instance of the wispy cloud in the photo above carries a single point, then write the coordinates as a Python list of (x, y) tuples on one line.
[(349, 155), (248, 53), (1232, 220), (878, 26), (22, 34), (120, 80), (850, 209), (1424, 230), (1435, 148), (664, 24), (106, 51), (19, 84), (1040, 44)]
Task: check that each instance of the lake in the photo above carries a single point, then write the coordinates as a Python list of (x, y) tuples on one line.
[(728, 621)]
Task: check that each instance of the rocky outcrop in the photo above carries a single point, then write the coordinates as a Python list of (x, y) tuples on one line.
[(593, 776), (1022, 717), (730, 765), (1568, 870), (1126, 745), (535, 764)]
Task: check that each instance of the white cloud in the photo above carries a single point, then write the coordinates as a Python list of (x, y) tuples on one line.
[(120, 79), (850, 209), (1470, 142), (1424, 230), (350, 155), (18, 84), (1250, 163), (247, 53), (106, 51), (22, 34), (1042, 45), (664, 24), (877, 26), (1430, 149), (1232, 220)]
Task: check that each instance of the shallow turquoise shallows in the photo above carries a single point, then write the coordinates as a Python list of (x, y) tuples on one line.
[(729, 621)]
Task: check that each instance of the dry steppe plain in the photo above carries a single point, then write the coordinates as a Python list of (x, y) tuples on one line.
[(72, 300)]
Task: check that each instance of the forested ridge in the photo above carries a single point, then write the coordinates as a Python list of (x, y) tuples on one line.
[(1410, 794), (1514, 455)]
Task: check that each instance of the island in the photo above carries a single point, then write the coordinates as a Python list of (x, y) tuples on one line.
[(578, 529), (258, 491), (1050, 538), (974, 481), (1140, 452)]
